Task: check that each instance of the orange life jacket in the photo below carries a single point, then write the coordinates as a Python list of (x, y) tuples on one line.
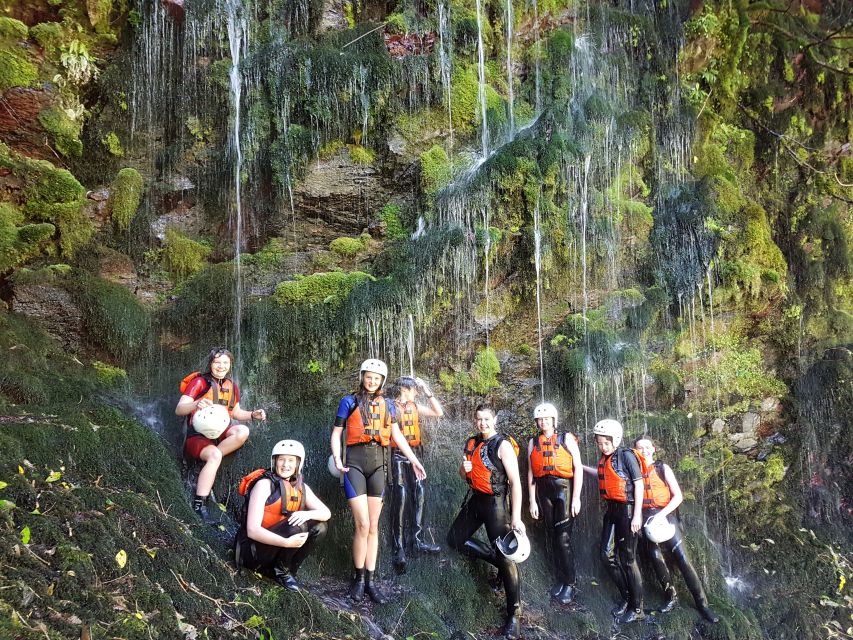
[(410, 423), (550, 457), (217, 393), (275, 509), (487, 473), (376, 427), (613, 481), (656, 492)]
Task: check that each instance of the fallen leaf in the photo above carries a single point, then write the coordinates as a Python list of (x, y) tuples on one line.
[(6, 505), (121, 558), (53, 476), (3, 485), (25, 535), (50, 588), (20, 470)]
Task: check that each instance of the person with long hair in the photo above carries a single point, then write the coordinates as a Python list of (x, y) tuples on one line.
[(371, 426), (284, 517), (200, 392)]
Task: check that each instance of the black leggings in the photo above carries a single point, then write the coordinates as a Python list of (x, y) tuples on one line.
[(408, 493), (553, 495), (481, 509), (264, 558), (675, 548), (367, 471), (619, 552)]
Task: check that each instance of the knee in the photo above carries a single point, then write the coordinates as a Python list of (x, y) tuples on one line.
[(362, 525), (607, 556), (373, 529), (212, 456), (240, 432)]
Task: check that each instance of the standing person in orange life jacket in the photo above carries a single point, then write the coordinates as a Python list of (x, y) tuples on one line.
[(213, 386), (661, 497), (555, 479), (620, 483), (490, 467), (407, 489), (284, 518), (370, 427)]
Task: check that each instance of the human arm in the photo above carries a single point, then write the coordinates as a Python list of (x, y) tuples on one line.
[(577, 480), (637, 517), (631, 465), (187, 404), (336, 449), (314, 509), (531, 484), (506, 453), (241, 415), (590, 470), (434, 410), (675, 489), (255, 516), (406, 450)]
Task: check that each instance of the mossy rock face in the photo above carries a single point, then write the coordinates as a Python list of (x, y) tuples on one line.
[(15, 69), (332, 287), (125, 196), (183, 256), (18, 241), (64, 130)]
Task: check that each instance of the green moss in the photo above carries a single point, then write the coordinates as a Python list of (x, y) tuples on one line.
[(270, 257), (330, 149), (348, 247), (19, 242), (64, 131), (390, 215), (183, 257), (50, 37), (99, 14), (113, 144), (108, 375), (125, 196), (435, 169), (16, 70), (361, 155), (481, 379), (327, 288), (13, 29), (396, 23), (114, 319)]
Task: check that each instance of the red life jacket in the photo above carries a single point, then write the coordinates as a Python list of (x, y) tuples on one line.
[(487, 473), (656, 492), (613, 481), (275, 509), (376, 427), (410, 423), (550, 457), (224, 393)]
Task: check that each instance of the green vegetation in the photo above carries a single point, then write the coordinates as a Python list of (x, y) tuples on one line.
[(182, 256), (349, 247), (64, 130), (390, 215), (319, 288), (125, 196), (108, 375), (114, 319), (361, 155), (435, 169), (18, 241)]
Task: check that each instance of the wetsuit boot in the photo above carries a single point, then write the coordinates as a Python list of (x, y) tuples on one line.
[(356, 590), (512, 626), (398, 514), (671, 599), (631, 615), (566, 594), (421, 545), (372, 590), (283, 577)]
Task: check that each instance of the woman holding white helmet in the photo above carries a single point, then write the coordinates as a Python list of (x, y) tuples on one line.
[(284, 518), (371, 426), (662, 529), (555, 479)]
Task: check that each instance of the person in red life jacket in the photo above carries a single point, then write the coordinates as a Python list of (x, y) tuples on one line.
[(661, 497), (284, 518), (555, 479), (370, 428), (620, 483), (408, 491), (214, 386), (490, 467)]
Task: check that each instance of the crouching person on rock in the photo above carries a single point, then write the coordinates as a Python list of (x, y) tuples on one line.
[(284, 518)]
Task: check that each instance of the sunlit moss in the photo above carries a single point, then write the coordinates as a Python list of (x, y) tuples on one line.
[(317, 288), (182, 256), (125, 196)]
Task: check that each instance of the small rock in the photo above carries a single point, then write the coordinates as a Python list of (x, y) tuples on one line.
[(736, 437), (750, 422), (745, 444), (769, 404), (718, 426), (99, 195)]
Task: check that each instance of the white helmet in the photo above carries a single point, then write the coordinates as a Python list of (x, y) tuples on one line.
[(609, 427), (290, 448), (211, 421), (330, 465), (374, 365), (514, 545), (658, 529), (546, 410)]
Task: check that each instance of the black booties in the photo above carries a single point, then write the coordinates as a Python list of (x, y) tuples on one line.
[(356, 590), (512, 627), (373, 591)]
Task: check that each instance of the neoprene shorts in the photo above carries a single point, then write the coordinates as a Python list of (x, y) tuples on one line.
[(196, 443), (366, 475)]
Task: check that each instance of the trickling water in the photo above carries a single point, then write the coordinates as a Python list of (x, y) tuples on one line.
[(509, 78), (481, 93), (537, 52), (410, 345), (446, 65), (238, 45), (487, 245), (537, 244)]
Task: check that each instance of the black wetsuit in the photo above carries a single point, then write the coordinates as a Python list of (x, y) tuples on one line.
[(493, 512), (265, 558), (618, 546), (408, 490), (553, 495)]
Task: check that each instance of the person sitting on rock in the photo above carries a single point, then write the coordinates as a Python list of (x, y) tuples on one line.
[(213, 387), (284, 518)]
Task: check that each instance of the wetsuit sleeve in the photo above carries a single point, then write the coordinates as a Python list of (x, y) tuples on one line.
[(391, 414), (631, 465), (236, 393), (196, 388), (345, 408)]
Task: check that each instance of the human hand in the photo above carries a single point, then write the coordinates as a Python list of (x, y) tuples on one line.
[(295, 541), (534, 510), (576, 507), (636, 524), (518, 525), (259, 414), (467, 465), (202, 403), (339, 465), (298, 518), (423, 386), (420, 472)]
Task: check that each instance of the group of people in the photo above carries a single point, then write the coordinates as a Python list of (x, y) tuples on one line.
[(377, 440)]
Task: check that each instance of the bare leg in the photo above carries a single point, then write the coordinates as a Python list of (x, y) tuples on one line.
[(361, 519), (374, 507), (212, 458)]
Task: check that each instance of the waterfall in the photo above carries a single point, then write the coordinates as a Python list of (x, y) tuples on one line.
[(481, 93), (537, 245), (509, 79), (446, 64)]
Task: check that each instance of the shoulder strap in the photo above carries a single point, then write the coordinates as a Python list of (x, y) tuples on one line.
[(534, 442)]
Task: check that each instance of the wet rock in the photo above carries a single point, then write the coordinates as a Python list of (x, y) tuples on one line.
[(341, 193), (175, 8), (750, 422), (409, 44), (718, 426), (52, 308), (745, 443), (769, 404), (333, 18), (19, 124), (189, 220)]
